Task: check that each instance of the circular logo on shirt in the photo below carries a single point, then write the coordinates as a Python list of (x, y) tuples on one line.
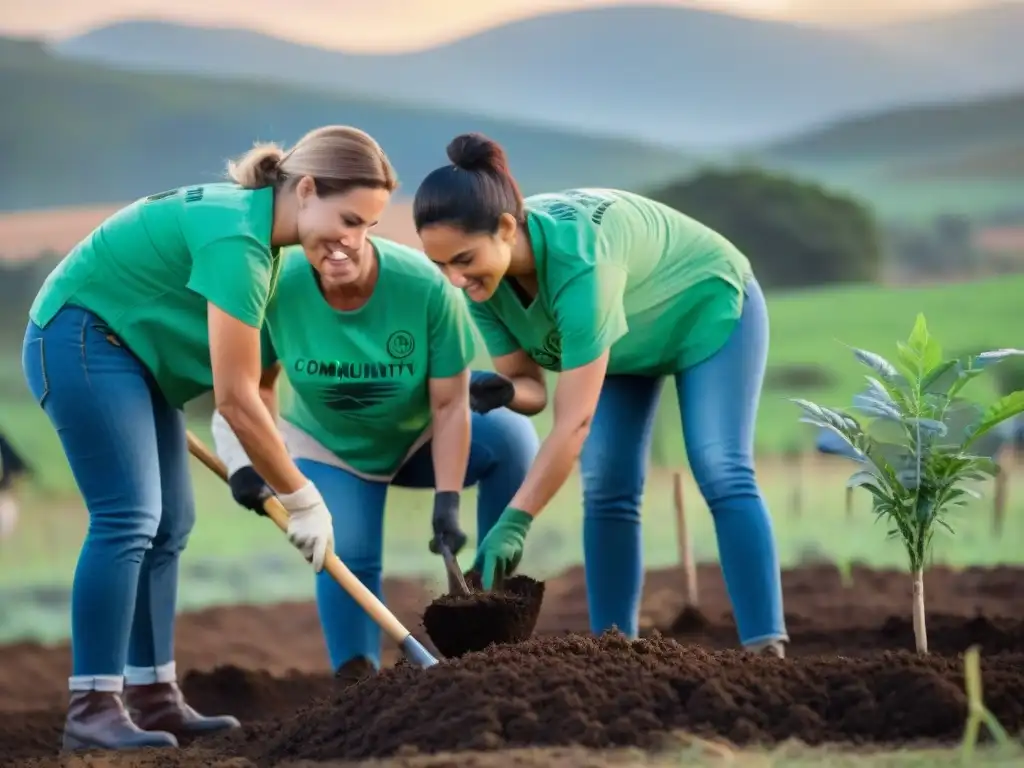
[(549, 355), (401, 345)]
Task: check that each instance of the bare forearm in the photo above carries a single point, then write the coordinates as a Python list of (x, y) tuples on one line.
[(450, 445), (269, 398), (531, 396), (256, 429), (549, 471)]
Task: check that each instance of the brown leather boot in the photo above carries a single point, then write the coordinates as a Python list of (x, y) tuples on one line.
[(98, 720), (162, 707)]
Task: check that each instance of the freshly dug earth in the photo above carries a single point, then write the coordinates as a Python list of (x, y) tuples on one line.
[(459, 624), (609, 692), (273, 665)]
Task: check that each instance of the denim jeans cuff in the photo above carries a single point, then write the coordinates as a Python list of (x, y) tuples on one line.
[(165, 673), (105, 683)]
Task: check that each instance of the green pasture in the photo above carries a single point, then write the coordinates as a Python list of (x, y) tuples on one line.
[(914, 193), (235, 556)]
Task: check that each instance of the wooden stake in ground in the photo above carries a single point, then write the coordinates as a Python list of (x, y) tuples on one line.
[(683, 539), (793, 458)]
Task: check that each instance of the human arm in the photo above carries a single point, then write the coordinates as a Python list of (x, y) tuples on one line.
[(589, 315), (576, 396), (248, 489), (530, 395), (235, 276), (451, 351), (237, 374), (590, 318)]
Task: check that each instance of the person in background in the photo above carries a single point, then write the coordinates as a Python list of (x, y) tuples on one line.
[(12, 469), (614, 292), (376, 346), (162, 302)]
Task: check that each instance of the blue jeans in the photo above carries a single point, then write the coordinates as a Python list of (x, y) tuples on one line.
[(718, 400), (128, 454), (503, 447)]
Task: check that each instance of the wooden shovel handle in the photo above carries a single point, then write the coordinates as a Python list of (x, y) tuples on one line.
[(340, 572)]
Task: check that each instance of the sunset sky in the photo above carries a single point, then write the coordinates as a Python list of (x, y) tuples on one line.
[(351, 24)]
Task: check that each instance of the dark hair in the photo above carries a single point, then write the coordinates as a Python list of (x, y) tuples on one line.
[(473, 192)]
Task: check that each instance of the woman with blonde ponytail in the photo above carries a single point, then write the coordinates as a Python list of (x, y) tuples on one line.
[(164, 301)]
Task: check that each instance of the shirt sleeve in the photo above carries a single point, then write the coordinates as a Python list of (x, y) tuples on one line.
[(234, 274), (496, 336), (451, 344), (589, 313)]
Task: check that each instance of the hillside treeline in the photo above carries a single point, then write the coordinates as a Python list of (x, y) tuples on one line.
[(796, 234)]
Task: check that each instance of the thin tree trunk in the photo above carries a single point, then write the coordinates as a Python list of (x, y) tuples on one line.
[(920, 630)]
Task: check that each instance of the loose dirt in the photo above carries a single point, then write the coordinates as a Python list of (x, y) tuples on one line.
[(850, 676), (459, 624)]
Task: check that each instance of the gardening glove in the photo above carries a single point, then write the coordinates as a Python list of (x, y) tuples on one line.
[(249, 489), (499, 553), (490, 391), (446, 523), (310, 528)]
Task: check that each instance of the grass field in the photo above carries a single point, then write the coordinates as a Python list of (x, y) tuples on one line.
[(235, 556)]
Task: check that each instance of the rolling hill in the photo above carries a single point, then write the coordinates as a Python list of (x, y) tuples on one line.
[(944, 129), (678, 76), (918, 162), (77, 133)]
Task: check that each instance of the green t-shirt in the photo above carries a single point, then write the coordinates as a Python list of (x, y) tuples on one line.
[(617, 270), (360, 378), (149, 270)]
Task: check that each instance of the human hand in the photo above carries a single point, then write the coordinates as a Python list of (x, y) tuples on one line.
[(249, 489), (310, 528), (500, 551), (446, 523), (490, 391)]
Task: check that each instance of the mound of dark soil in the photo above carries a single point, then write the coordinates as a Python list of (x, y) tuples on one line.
[(460, 624), (606, 692)]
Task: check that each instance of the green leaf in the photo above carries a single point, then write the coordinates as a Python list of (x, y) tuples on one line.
[(926, 348), (877, 363), (961, 419), (872, 406), (910, 361), (1004, 408), (941, 378), (995, 356)]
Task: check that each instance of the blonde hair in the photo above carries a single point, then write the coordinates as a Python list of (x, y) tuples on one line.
[(338, 157)]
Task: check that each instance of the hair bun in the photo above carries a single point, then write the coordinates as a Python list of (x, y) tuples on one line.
[(476, 152), (270, 165)]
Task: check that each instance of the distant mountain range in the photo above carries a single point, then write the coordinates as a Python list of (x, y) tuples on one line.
[(675, 76), (78, 133)]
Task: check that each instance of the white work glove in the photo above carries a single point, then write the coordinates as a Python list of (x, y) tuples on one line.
[(310, 528), (227, 445)]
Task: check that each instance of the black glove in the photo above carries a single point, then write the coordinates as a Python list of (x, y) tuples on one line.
[(446, 522), (249, 490), (490, 392)]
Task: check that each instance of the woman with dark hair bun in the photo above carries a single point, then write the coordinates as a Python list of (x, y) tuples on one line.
[(614, 292)]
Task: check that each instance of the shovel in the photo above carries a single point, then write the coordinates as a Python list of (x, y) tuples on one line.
[(456, 580), (412, 649)]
